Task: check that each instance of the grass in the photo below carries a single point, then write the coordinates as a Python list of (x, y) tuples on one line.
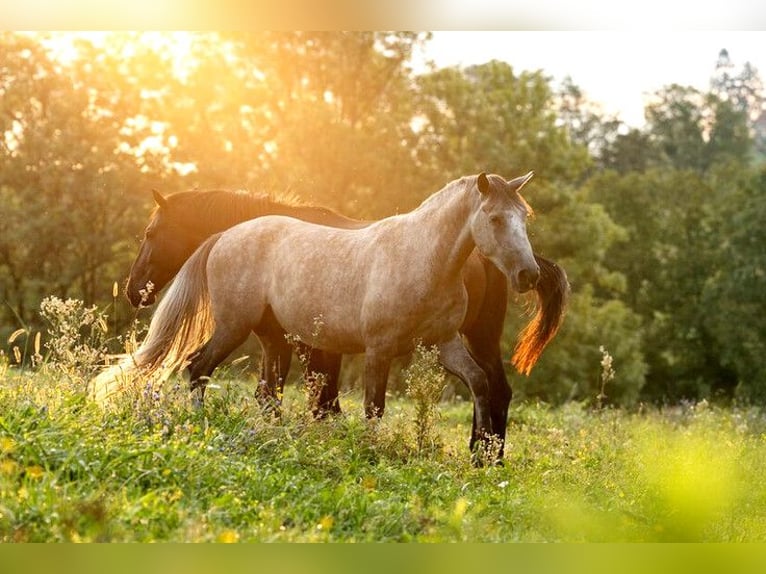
[(156, 470)]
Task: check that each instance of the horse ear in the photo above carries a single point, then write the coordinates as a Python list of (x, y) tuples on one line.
[(518, 182), (483, 183), (158, 199)]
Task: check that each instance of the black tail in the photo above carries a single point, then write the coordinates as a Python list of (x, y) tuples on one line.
[(552, 294)]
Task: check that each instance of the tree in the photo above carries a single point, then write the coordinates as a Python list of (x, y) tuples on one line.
[(66, 181), (743, 90), (488, 118), (339, 110), (676, 122), (735, 294), (579, 234), (672, 221), (586, 123), (692, 130), (631, 151)]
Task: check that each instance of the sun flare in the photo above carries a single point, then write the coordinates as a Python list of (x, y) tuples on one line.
[(178, 47)]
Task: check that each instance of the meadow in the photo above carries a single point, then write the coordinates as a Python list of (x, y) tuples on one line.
[(152, 469)]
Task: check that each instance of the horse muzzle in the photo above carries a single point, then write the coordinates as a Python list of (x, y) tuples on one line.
[(526, 278)]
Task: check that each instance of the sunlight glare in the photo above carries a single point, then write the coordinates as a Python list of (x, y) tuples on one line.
[(178, 47)]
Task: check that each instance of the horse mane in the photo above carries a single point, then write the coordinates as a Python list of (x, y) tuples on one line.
[(209, 211), (219, 208), (552, 292)]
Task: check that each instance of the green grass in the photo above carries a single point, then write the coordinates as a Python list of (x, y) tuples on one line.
[(159, 471)]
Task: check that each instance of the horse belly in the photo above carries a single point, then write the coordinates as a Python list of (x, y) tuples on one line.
[(416, 313), (318, 298)]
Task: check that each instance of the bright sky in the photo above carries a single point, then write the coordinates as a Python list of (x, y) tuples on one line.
[(618, 69)]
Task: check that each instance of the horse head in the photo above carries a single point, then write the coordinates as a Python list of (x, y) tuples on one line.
[(499, 228), (166, 245)]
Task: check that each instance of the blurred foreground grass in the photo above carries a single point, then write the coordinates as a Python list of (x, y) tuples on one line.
[(155, 470)]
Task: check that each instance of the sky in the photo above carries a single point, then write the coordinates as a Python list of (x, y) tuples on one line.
[(617, 69)]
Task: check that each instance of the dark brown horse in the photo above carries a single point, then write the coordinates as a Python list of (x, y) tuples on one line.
[(182, 221)]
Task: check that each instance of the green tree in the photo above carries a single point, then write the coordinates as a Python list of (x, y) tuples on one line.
[(488, 118), (693, 130), (735, 294), (671, 218), (631, 151), (587, 124), (676, 122), (743, 89), (66, 180)]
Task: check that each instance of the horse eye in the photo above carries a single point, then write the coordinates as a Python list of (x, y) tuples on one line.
[(496, 220)]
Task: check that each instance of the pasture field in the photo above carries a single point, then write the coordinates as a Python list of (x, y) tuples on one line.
[(155, 470)]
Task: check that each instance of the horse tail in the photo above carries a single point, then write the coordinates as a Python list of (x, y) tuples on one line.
[(552, 293), (181, 324)]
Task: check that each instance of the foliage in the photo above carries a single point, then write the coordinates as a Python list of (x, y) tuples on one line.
[(669, 215), (694, 130), (76, 336), (340, 107), (734, 292), (424, 383), (488, 116), (65, 208), (581, 235)]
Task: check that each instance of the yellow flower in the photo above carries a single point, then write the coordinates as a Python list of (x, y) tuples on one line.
[(34, 471), (325, 523), (7, 444), (228, 537), (8, 466)]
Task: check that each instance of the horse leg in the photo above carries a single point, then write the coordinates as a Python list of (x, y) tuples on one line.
[(500, 394), (482, 339), (376, 367), (485, 350), (204, 361), (457, 360), (326, 364)]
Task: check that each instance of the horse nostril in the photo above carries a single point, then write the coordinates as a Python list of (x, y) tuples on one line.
[(528, 278)]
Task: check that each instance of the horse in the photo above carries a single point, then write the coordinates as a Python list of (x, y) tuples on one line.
[(181, 221)]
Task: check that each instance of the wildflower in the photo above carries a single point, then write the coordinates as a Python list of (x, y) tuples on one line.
[(35, 471), (228, 537), (325, 523), (145, 292), (8, 467), (607, 374), (7, 444)]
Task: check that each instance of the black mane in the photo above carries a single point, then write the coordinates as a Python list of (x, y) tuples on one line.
[(216, 210)]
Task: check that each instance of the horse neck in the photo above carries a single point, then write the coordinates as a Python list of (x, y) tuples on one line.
[(447, 215)]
